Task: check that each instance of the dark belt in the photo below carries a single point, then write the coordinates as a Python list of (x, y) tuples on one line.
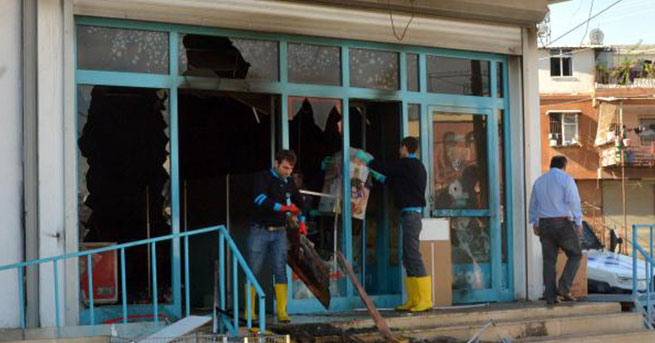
[(405, 213), (556, 218)]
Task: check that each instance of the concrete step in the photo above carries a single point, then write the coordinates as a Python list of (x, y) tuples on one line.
[(581, 325), (641, 336), (500, 312)]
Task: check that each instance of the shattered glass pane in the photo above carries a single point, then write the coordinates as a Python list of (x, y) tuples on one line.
[(373, 69), (314, 64), (471, 253), (230, 58), (105, 48)]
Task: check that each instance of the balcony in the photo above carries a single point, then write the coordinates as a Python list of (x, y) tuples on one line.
[(635, 156)]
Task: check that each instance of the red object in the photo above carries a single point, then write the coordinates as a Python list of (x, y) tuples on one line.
[(302, 228), (105, 275), (293, 209)]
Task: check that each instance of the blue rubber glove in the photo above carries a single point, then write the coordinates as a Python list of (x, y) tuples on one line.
[(326, 162), (379, 177), (363, 156)]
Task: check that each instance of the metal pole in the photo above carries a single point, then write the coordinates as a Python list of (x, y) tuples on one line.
[(148, 236), (184, 196), (227, 227), (625, 217), (336, 236), (227, 202)]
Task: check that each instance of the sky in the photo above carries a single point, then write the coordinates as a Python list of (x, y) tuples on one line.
[(628, 22)]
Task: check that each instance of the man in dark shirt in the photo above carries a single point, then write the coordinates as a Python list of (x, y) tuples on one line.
[(407, 179), (275, 198)]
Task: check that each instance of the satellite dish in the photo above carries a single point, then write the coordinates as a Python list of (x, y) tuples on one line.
[(596, 37)]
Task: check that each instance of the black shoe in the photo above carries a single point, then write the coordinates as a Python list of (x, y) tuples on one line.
[(567, 296), (552, 302)]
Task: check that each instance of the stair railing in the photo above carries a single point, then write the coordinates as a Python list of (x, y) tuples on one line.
[(223, 236), (238, 263), (648, 257)]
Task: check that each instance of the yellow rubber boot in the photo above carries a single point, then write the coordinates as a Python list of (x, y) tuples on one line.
[(281, 302), (412, 295), (424, 291), (253, 296)]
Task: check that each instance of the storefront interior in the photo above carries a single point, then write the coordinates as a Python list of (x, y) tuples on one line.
[(173, 122)]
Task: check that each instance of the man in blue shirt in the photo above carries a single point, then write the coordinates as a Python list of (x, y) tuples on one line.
[(556, 217)]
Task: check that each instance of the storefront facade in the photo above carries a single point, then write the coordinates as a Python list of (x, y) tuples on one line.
[(282, 87)]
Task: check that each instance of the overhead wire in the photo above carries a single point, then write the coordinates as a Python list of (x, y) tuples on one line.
[(584, 22), (591, 8)]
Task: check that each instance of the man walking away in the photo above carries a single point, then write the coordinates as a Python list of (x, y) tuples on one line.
[(556, 217), (407, 179), (276, 197)]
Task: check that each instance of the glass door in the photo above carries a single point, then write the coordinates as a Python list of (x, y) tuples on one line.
[(465, 188)]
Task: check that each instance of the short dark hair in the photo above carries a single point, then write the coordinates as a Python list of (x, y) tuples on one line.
[(558, 162), (286, 155), (411, 143)]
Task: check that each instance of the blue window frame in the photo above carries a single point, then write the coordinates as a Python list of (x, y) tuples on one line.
[(420, 96)]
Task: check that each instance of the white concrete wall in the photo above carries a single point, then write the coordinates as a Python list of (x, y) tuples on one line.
[(50, 64), (582, 80), (532, 130), (11, 171)]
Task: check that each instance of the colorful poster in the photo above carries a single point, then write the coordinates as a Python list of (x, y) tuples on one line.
[(360, 187)]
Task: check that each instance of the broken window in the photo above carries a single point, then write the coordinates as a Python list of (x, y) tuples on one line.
[(230, 58), (124, 179), (564, 129), (561, 62)]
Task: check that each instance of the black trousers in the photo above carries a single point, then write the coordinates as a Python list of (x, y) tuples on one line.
[(558, 234), (410, 222)]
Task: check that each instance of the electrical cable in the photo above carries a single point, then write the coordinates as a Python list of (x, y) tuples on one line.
[(591, 8), (586, 21), (393, 26)]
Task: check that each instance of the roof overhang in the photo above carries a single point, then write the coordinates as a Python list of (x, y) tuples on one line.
[(512, 12)]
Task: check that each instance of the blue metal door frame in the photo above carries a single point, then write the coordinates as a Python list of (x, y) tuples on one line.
[(172, 82)]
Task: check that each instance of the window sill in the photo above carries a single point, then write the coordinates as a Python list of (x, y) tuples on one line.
[(576, 145), (564, 78)]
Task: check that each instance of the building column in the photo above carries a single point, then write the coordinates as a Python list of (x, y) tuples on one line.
[(532, 137), (11, 169), (50, 136)]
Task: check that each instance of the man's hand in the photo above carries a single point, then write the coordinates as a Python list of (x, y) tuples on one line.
[(535, 229), (293, 209), (302, 229)]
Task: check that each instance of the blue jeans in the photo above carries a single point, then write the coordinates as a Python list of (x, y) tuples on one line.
[(410, 223), (261, 241)]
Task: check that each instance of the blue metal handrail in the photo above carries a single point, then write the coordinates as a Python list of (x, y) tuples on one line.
[(650, 266), (223, 236), (237, 261)]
